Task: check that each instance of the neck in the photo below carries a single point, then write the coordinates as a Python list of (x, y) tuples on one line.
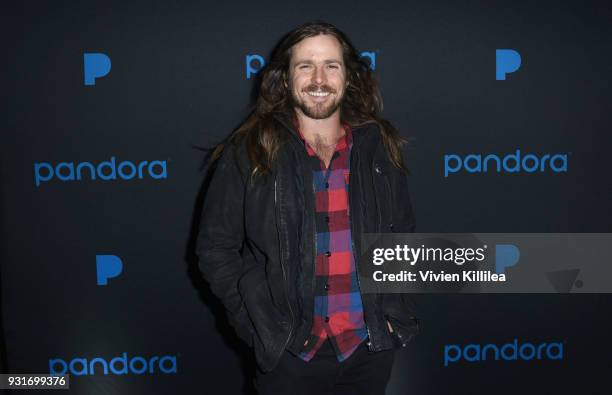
[(325, 131)]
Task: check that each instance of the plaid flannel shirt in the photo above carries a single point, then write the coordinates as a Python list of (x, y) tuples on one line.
[(338, 309)]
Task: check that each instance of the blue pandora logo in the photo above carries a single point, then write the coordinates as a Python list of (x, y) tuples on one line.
[(506, 61), (95, 65), (107, 266), (121, 365), (507, 352), (105, 170), (511, 163)]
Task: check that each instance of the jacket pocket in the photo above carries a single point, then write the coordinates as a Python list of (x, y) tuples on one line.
[(268, 322), (404, 330), (399, 310), (384, 200)]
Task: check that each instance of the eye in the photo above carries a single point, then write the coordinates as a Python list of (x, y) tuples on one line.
[(304, 67), (333, 66)]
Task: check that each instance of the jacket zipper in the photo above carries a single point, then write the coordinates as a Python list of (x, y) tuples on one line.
[(314, 247), (389, 200), (353, 235), (280, 249), (377, 198)]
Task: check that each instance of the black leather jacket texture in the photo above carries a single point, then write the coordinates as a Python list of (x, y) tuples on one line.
[(256, 243)]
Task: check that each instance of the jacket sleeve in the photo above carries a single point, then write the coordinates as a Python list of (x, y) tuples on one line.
[(221, 238)]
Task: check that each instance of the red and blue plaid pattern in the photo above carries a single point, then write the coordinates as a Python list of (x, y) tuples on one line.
[(338, 310)]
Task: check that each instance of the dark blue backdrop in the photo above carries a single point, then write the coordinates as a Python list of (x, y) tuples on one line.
[(178, 82)]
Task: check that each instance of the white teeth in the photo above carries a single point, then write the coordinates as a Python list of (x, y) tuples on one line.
[(319, 94)]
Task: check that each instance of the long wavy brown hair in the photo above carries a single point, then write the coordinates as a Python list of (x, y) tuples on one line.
[(362, 102)]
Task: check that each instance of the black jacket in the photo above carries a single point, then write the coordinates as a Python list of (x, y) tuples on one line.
[(257, 250)]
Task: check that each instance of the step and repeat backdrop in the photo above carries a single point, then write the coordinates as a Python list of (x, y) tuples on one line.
[(108, 107)]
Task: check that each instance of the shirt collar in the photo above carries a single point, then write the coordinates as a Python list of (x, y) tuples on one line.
[(344, 142)]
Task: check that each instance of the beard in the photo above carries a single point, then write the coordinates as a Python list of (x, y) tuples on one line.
[(316, 110)]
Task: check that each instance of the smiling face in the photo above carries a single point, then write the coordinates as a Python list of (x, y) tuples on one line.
[(317, 76)]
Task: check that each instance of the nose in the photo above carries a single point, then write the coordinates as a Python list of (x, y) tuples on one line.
[(319, 76)]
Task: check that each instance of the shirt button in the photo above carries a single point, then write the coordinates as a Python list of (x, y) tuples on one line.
[(327, 185), (328, 254), (326, 319), (326, 286), (327, 218)]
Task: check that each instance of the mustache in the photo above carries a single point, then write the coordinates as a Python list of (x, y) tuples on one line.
[(319, 88)]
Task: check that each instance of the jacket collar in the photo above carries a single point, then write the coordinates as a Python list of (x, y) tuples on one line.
[(359, 132)]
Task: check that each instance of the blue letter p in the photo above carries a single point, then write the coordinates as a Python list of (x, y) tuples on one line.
[(506, 61), (95, 65), (506, 255), (107, 266)]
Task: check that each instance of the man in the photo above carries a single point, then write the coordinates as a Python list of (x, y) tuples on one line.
[(310, 170)]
